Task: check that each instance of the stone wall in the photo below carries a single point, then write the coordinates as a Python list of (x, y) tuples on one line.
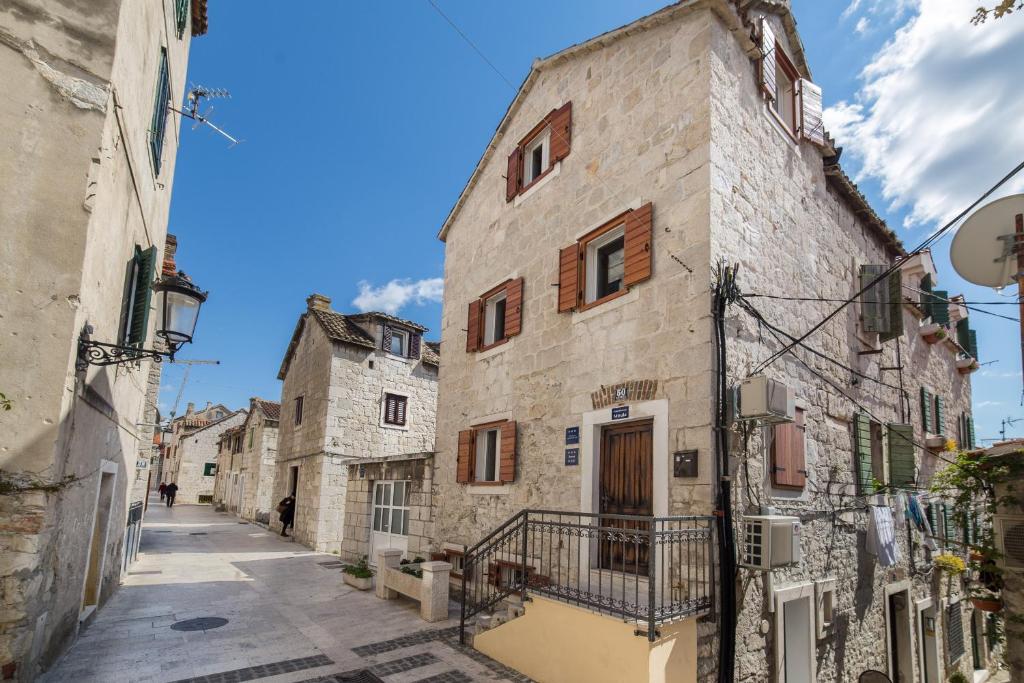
[(258, 468), (76, 168), (195, 451)]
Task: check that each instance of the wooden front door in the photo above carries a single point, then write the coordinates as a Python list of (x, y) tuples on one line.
[(627, 488)]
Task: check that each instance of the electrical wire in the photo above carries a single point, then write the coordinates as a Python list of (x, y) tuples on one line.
[(924, 245), (967, 305), (868, 301)]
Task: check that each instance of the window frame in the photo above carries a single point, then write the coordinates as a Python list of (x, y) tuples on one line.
[(390, 506), (501, 291), (480, 440), (297, 410), (593, 240), (540, 137), (398, 398), (158, 122), (182, 13), (404, 337), (784, 64)]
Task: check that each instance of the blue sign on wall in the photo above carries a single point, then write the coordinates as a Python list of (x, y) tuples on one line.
[(572, 456), (620, 413), (572, 435)]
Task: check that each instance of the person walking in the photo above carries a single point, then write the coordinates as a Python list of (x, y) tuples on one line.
[(287, 509), (163, 490), (171, 491)]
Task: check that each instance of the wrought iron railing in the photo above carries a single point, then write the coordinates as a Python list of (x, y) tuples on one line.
[(645, 570)]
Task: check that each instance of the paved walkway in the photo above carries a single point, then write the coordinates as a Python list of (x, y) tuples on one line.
[(289, 616)]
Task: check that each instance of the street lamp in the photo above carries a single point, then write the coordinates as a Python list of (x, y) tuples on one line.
[(178, 302)]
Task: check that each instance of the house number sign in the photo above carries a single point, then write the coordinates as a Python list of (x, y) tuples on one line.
[(572, 457), (572, 435), (621, 393), (620, 413)]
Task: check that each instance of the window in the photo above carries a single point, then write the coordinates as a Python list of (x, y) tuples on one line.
[(789, 467), (606, 261), (955, 632), (158, 125), (902, 468), (391, 507), (539, 151), (181, 12), (394, 409), (825, 592), (456, 559), (398, 343), (784, 100), (209, 469), (881, 309), (869, 437), (496, 316), (536, 156), (487, 454), (298, 411), (137, 296), (794, 101), (967, 338), (933, 413), (252, 434)]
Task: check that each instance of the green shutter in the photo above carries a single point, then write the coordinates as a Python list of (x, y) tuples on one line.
[(933, 520), (894, 294), (926, 410), (948, 531), (940, 307), (871, 306), (962, 328), (972, 344), (926, 296), (862, 453), (901, 455), (970, 432), (142, 293), (158, 124), (181, 12), (940, 416)]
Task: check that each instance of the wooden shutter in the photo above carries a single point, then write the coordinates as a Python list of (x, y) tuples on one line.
[(789, 467), (940, 307), (400, 404), (972, 344), (390, 405), (507, 467), (513, 179), (926, 410), (568, 277), (385, 338), (514, 307), (970, 431), (473, 325), (893, 306), (962, 338), (933, 518), (926, 296), (940, 415), (414, 345), (142, 294), (767, 58), (811, 125), (638, 245), (464, 460), (901, 455), (948, 528), (862, 454), (561, 132), (870, 301)]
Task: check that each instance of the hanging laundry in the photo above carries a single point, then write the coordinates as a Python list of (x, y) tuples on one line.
[(899, 506), (881, 539)]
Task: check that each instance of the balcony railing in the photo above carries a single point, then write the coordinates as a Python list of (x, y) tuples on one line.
[(644, 570)]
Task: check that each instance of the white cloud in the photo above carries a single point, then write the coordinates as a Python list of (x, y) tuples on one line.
[(892, 10), (863, 24), (986, 404), (936, 120), (395, 295)]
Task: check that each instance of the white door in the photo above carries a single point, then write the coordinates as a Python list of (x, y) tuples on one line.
[(797, 623), (390, 518), (929, 648)]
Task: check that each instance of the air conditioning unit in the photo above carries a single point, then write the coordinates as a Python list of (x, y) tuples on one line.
[(770, 541), (767, 400), (1009, 533)]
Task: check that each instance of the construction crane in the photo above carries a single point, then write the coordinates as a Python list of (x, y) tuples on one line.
[(184, 380)]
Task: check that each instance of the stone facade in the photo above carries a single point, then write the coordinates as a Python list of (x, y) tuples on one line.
[(670, 111), (81, 193), (246, 463), (182, 426), (336, 365), (196, 457)]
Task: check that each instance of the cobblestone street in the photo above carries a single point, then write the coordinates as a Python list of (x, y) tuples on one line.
[(289, 617)]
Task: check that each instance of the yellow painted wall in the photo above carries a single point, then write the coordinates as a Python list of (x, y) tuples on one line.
[(557, 643)]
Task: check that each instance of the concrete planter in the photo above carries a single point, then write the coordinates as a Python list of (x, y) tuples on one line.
[(935, 442), (359, 583), (966, 366), (932, 334)]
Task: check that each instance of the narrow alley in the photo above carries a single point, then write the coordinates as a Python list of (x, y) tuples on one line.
[(270, 610)]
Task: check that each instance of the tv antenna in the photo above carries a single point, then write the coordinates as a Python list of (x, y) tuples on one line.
[(1007, 421), (195, 97)]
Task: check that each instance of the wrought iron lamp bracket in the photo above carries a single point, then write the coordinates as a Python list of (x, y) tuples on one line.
[(98, 353)]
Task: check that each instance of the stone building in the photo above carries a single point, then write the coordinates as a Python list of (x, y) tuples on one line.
[(581, 369), (246, 463), (87, 168), (357, 425), (180, 427), (196, 453)]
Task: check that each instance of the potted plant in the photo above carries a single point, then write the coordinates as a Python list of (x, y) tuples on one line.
[(966, 366), (950, 564), (932, 333), (358, 575), (957, 677), (987, 602)]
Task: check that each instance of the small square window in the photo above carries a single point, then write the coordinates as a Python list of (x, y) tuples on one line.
[(494, 318), (536, 156), (395, 409), (209, 469), (488, 450), (399, 343), (605, 265)]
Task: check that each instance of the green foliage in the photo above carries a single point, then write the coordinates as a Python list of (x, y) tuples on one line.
[(957, 677), (951, 564), (412, 568), (14, 484), (360, 570), (998, 12), (5, 403)]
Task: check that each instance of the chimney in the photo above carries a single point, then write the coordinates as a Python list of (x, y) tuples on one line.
[(318, 302), (170, 246), (191, 408), (208, 404)]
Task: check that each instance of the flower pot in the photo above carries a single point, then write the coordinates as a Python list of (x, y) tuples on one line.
[(936, 442), (977, 557), (987, 604), (359, 583), (966, 366), (932, 333)]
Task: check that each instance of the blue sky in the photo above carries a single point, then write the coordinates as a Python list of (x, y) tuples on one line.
[(362, 121)]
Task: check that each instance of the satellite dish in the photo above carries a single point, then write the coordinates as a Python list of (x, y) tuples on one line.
[(982, 248)]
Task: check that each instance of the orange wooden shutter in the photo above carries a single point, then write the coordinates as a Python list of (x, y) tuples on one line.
[(568, 277), (507, 470), (789, 467), (638, 245), (512, 179), (514, 307), (561, 132), (473, 326), (464, 462)]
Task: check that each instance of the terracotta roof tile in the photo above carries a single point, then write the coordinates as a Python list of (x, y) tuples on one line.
[(271, 409), (386, 316), (200, 20), (340, 328), (431, 353)]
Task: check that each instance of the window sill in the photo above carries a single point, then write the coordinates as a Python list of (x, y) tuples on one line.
[(397, 428), (608, 304), (483, 488), (537, 183), (404, 359), (495, 349), (780, 127)]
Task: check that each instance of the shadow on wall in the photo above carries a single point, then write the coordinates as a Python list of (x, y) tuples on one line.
[(864, 593)]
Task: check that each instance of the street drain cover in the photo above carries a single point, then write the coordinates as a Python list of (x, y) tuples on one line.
[(199, 624), (197, 533), (361, 676)]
